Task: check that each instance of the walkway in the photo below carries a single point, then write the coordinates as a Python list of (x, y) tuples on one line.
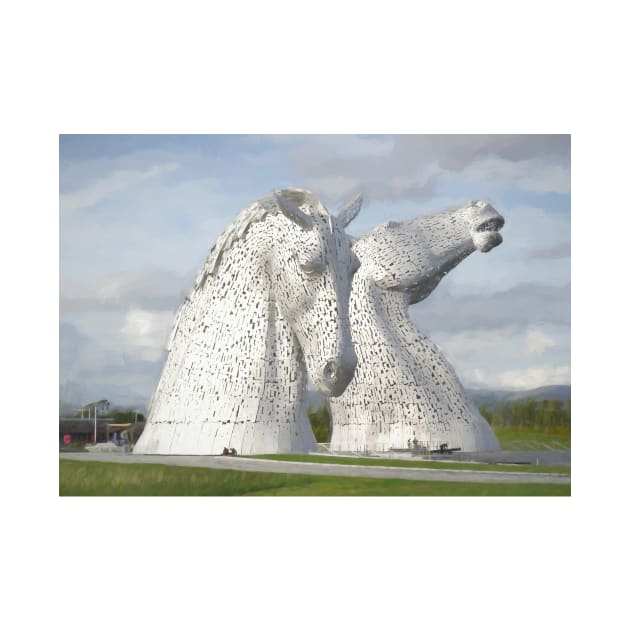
[(380, 472)]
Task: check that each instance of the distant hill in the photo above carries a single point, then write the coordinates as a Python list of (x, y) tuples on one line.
[(491, 397)]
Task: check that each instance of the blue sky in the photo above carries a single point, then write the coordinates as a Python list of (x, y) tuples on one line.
[(139, 213)]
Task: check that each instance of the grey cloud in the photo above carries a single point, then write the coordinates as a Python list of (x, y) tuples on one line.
[(71, 342), (151, 368), (377, 177), (561, 250), (71, 396), (415, 163), (520, 306), (121, 378), (453, 152)]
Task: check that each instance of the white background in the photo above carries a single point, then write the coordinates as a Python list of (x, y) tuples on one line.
[(334, 67)]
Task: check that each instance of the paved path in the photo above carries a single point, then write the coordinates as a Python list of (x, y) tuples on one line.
[(341, 470), (540, 458)]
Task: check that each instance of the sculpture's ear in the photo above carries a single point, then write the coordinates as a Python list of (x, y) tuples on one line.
[(291, 210), (349, 211)]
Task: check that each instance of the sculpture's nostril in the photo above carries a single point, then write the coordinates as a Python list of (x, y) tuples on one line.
[(330, 370), (494, 224)]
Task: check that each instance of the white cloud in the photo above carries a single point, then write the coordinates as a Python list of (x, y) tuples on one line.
[(462, 345), (526, 378), (103, 187), (529, 378), (503, 357), (537, 343), (147, 332)]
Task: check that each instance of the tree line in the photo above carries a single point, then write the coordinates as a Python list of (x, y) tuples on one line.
[(546, 416), (117, 415)]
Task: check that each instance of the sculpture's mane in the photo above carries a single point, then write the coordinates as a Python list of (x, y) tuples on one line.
[(258, 211)]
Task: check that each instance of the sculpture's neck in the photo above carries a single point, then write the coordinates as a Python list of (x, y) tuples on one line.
[(371, 307), (383, 327)]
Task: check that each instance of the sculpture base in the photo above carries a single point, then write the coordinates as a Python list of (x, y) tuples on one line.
[(210, 438)]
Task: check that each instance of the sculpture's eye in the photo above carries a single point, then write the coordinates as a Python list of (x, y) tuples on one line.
[(355, 263), (312, 267)]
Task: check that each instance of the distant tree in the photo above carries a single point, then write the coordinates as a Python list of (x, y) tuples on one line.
[(556, 413), (550, 416), (517, 412), (506, 415), (320, 423), (123, 416), (485, 411), (530, 413)]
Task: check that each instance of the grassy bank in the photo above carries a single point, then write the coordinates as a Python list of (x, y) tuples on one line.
[(105, 479), (406, 463)]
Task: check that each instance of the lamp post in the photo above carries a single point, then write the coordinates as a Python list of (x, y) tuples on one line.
[(88, 410), (94, 405)]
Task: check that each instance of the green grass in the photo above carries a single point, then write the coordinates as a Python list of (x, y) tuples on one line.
[(511, 440), (106, 479), (405, 463)]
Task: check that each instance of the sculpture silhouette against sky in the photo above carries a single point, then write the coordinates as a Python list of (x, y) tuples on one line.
[(404, 389), (269, 306)]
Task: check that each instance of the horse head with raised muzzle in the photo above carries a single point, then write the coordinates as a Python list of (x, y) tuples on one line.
[(413, 256)]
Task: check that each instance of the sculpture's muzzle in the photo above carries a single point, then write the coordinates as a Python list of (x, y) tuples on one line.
[(486, 233), (335, 374)]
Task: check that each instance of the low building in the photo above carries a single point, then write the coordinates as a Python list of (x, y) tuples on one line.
[(82, 429)]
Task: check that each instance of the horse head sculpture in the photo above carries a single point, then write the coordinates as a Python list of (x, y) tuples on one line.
[(311, 271), (404, 389), (269, 307), (413, 256)]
